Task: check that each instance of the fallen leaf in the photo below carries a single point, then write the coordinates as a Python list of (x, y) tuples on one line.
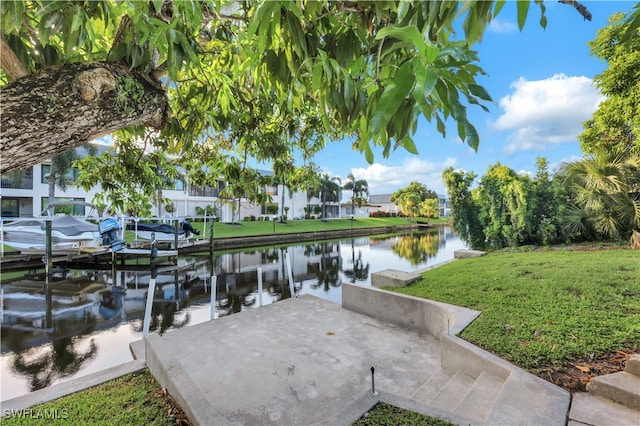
[(583, 368), (330, 333), (585, 379), (554, 347)]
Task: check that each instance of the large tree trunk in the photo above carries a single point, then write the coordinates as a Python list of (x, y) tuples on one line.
[(62, 107)]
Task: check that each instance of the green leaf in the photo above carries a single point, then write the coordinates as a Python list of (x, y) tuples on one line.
[(403, 8), (523, 10), (472, 138), (432, 53), (12, 15), (408, 143), (408, 34), (316, 78), (70, 41), (78, 18), (498, 7), (368, 153), (293, 7), (430, 82), (348, 93), (157, 4), (479, 91), (392, 97)]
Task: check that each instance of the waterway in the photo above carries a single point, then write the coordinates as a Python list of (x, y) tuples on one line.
[(83, 320)]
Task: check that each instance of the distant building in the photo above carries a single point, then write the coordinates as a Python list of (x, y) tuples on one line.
[(30, 195), (383, 203)]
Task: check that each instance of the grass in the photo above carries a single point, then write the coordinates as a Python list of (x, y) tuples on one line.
[(544, 307), (135, 399), (226, 230), (383, 414)]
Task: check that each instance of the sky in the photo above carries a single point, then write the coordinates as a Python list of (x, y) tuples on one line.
[(541, 84)]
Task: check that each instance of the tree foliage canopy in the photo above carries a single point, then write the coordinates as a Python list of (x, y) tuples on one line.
[(508, 209), (606, 184), (411, 199), (208, 80), (616, 122)]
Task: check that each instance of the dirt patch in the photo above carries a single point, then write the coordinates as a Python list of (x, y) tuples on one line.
[(575, 376), (174, 410)]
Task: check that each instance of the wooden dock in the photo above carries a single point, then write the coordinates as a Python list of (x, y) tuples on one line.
[(36, 258)]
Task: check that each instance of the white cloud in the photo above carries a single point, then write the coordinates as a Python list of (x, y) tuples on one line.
[(104, 140), (384, 179), (499, 26), (546, 111), (554, 167)]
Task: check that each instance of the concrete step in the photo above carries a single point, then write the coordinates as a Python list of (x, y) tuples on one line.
[(633, 365), (621, 387), (454, 391), (432, 386), (531, 400), (480, 399), (587, 409)]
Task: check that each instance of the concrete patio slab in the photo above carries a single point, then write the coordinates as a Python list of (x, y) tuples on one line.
[(299, 361), (308, 361)]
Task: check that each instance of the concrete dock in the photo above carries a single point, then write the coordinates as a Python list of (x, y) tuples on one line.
[(308, 361)]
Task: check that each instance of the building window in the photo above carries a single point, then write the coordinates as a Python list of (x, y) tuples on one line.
[(174, 185), (72, 173), (207, 191), (10, 207), (18, 180)]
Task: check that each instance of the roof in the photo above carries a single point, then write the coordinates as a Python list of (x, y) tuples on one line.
[(380, 199)]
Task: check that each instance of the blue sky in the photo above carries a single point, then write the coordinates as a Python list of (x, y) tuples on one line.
[(541, 84)]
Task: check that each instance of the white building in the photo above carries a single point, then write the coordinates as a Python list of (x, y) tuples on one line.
[(28, 198)]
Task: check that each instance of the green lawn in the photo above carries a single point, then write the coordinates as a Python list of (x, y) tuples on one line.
[(225, 230), (544, 307), (383, 414), (134, 399)]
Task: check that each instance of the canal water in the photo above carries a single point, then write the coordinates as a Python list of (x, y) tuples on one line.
[(84, 320)]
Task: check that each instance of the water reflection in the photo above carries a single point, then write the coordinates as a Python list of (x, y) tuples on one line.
[(84, 320)]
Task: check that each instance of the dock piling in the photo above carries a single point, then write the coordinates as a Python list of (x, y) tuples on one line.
[(214, 288), (259, 286)]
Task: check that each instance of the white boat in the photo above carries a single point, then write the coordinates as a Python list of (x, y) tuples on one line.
[(162, 231), (67, 232)]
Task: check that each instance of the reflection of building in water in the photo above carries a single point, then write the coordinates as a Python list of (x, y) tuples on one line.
[(309, 262)]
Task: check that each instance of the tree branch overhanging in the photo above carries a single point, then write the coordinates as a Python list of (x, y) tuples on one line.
[(69, 105), (9, 62), (582, 9)]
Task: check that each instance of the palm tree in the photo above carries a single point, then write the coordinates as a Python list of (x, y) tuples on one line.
[(328, 189), (359, 190), (606, 190)]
